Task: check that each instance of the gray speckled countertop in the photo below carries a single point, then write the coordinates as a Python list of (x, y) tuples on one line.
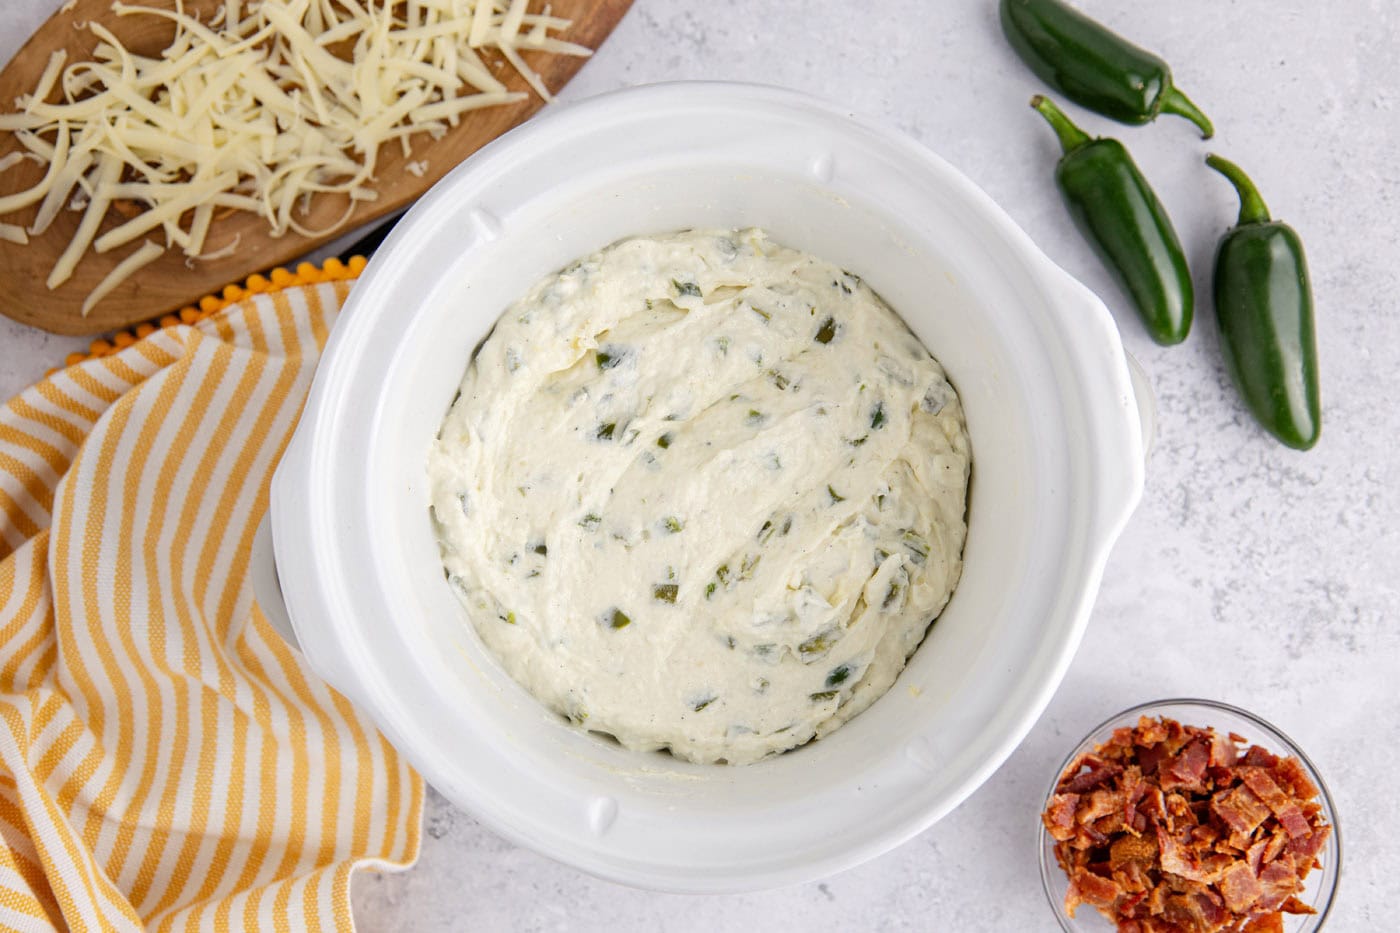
[(1250, 574)]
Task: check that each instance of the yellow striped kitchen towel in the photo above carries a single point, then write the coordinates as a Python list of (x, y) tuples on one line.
[(166, 760)]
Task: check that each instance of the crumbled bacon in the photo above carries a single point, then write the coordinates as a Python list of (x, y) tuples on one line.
[(1240, 887), (1304, 851), (1059, 816), (1128, 848), (1240, 809), (1295, 779), (1095, 889), (1274, 846), (1168, 828), (1265, 923), (1258, 757), (1188, 768), (1289, 814), (1090, 772)]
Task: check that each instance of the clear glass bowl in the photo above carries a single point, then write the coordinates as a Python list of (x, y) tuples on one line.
[(1321, 883)]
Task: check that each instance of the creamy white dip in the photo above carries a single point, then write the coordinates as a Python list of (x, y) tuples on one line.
[(702, 492)]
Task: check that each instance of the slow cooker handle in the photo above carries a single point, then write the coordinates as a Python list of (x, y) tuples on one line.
[(267, 588), (1119, 394), (1146, 401)]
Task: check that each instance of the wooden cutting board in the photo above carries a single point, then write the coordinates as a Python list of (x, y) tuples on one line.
[(167, 283)]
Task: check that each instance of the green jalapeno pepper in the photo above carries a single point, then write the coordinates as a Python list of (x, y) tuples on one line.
[(1264, 305), (1094, 67), (1117, 211)]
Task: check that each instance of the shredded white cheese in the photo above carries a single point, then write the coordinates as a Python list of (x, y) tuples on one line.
[(223, 252), (146, 254), (259, 109)]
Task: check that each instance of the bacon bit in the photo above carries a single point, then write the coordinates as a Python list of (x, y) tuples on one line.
[(1295, 906), (1288, 812), (1255, 856), (1240, 887), (1205, 836), (1089, 773), (1265, 923), (1168, 828), (1239, 808), (1149, 732), (1157, 901), (1134, 877), (1100, 803), (1096, 890), (1295, 780), (1151, 756), (1258, 757), (1223, 753), (1131, 901), (1176, 858), (1304, 851), (1128, 849), (1280, 881), (1059, 816), (1187, 769)]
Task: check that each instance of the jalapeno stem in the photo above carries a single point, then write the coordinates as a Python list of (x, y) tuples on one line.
[(1071, 136), (1253, 210), (1173, 101)]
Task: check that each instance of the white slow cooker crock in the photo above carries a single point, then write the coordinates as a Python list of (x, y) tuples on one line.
[(1058, 467)]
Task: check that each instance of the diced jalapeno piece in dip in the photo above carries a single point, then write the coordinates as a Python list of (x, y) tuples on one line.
[(714, 433)]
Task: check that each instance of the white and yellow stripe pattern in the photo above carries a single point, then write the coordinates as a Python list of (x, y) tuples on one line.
[(166, 760)]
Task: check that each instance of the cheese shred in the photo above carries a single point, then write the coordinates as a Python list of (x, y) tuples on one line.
[(146, 254), (260, 107)]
